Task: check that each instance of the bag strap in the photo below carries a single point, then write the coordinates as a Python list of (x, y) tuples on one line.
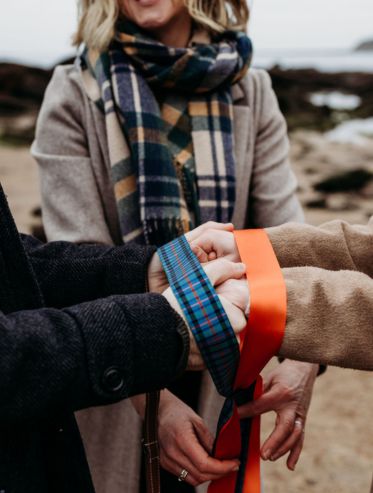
[(150, 443)]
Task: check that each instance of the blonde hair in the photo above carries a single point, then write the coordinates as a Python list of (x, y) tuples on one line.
[(97, 18)]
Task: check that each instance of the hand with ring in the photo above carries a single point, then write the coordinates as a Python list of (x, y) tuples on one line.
[(184, 473), (186, 443), (287, 391)]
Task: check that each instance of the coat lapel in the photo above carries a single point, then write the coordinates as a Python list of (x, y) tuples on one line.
[(242, 127)]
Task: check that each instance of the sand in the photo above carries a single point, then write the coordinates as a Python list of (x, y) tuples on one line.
[(338, 452)]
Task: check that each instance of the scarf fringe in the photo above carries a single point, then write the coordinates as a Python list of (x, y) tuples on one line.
[(160, 231)]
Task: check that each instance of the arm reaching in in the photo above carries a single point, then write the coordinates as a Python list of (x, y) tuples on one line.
[(330, 309), (334, 246), (185, 441)]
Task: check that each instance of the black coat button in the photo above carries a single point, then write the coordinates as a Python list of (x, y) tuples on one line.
[(112, 379)]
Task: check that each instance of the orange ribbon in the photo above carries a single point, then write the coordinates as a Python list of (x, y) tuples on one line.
[(260, 341)]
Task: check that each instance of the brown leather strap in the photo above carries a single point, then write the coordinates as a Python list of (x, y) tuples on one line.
[(150, 443)]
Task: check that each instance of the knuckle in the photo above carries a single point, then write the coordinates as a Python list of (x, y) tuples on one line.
[(287, 392), (224, 262), (169, 452), (298, 431), (201, 464), (200, 478), (288, 424)]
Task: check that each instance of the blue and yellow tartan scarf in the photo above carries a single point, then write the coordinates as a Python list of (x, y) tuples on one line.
[(149, 189)]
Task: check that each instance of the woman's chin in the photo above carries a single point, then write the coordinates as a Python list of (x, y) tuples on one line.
[(152, 23)]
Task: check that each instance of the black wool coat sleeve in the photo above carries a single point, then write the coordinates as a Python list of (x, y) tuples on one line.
[(56, 358), (55, 361), (69, 274)]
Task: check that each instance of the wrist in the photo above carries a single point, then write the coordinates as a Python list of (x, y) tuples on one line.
[(138, 402), (171, 298), (311, 368)]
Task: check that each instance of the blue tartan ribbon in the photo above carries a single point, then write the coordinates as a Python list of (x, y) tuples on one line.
[(203, 311), (212, 331)]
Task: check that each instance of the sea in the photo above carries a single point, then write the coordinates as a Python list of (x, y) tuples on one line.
[(322, 60)]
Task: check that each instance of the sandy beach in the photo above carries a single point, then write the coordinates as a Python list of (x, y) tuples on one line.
[(338, 452)]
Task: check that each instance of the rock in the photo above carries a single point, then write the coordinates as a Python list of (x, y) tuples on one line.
[(318, 203), (21, 87), (36, 212), (367, 191), (19, 129), (341, 203), (294, 87), (21, 94), (365, 46), (343, 182)]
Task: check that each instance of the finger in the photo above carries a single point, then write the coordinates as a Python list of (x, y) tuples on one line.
[(235, 315), (202, 256), (209, 466), (290, 442), (212, 256), (222, 243), (204, 435), (175, 468), (221, 270), (283, 429), (265, 403), (295, 454), (204, 463), (196, 232), (236, 291), (191, 447), (176, 460)]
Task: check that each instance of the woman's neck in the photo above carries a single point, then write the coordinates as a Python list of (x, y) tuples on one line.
[(176, 34)]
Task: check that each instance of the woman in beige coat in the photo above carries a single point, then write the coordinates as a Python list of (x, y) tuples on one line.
[(328, 273), (91, 170)]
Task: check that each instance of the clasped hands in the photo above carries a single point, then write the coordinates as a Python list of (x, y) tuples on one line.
[(226, 275), (185, 441)]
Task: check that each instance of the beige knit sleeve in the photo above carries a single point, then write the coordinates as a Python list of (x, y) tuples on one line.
[(335, 245), (330, 317)]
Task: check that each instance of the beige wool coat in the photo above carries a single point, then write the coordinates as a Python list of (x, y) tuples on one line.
[(79, 206), (328, 272)]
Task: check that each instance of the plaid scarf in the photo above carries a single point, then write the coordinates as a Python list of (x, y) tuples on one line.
[(149, 180)]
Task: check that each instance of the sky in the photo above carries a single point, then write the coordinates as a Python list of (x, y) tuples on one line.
[(39, 31)]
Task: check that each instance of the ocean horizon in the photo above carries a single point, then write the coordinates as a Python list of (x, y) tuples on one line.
[(322, 60)]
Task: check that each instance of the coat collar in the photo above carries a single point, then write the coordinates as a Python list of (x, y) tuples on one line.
[(237, 93)]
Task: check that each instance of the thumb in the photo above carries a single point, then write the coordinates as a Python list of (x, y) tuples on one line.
[(204, 435), (221, 270), (202, 256)]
